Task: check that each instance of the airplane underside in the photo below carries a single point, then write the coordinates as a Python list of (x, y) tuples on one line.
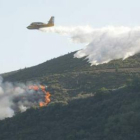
[(33, 27)]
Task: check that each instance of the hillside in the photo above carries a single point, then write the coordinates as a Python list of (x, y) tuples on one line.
[(88, 102), (105, 116), (69, 77), (69, 64)]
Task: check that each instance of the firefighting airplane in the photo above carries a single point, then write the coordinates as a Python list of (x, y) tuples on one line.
[(38, 25)]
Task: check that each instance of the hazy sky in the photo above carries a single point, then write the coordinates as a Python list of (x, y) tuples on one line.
[(21, 47)]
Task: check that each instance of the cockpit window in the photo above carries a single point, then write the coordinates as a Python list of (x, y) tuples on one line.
[(36, 23), (39, 23)]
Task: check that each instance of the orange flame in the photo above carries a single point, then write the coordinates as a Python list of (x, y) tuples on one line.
[(47, 99), (36, 88), (47, 94), (42, 87)]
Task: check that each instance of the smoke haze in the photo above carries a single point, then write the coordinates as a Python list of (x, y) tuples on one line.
[(102, 44), (17, 97)]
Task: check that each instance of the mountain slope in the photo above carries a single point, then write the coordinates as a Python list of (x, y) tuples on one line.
[(69, 77), (86, 103), (69, 64), (61, 64), (106, 116)]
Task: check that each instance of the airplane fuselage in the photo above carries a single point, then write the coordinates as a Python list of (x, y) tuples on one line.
[(37, 26)]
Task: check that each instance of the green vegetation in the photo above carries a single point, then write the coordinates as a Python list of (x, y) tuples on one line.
[(68, 64), (109, 115), (69, 77), (87, 103)]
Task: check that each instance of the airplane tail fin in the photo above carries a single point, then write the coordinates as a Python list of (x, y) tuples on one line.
[(51, 21)]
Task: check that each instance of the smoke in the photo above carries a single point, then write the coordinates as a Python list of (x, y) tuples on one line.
[(17, 97), (102, 44)]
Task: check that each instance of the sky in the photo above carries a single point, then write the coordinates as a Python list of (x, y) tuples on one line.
[(20, 47)]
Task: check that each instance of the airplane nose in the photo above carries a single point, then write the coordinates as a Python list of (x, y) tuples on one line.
[(29, 27)]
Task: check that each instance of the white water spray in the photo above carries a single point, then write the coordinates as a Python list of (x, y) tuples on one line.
[(103, 44)]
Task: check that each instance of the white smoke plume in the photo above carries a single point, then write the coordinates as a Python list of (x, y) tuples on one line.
[(17, 97), (102, 44)]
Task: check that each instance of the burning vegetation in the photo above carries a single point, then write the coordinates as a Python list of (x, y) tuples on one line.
[(18, 97), (46, 93)]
